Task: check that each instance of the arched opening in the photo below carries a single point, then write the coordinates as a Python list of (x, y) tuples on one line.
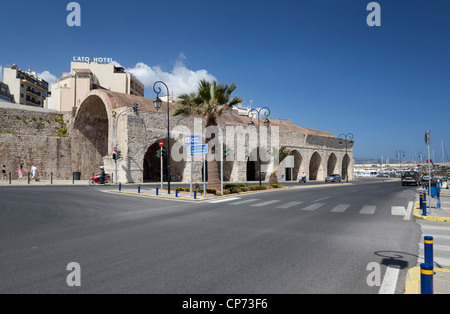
[(345, 166), (152, 164), (314, 166), (331, 167), (253, 166), (90, 137), (292, 174)]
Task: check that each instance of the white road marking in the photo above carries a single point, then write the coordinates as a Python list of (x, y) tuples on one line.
[(245, 201), (340, 208), (313, 207), (224, 200), (390, 280), (368, 210), (265, 203), (289, 205), (322, 199)]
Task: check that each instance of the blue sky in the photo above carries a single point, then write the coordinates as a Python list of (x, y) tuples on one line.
[(316, 62)]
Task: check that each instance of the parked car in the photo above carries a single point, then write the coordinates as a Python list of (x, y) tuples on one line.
[(426, 177), (410, 177), (333, 178)]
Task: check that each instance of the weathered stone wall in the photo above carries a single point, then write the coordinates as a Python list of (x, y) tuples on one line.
[(30, 136), (50, 154), (26, 122)]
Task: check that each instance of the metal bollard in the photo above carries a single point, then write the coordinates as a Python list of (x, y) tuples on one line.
[(120, 186), (424, 204), (176, 192), (426, 278), (428, 250), (51, 178), (10, 177), (195, 194), (421, 201), (139, 189), (157, 191)]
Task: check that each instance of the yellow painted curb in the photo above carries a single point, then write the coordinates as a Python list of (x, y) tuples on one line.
[(418, 215), (412, 283)]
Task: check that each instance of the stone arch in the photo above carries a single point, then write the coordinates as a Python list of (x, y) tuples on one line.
[(152, 164), (90, 135), (315, 166), (298, 159), (345, 166), (332, 163), (253, 165)]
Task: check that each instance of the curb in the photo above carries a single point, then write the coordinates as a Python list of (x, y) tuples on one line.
[(412, 283), (197, 200), (418, 215)]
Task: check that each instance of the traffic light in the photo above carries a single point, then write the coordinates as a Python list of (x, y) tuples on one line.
[(119, 153), (114, 156), (164, 151), (158, 153), (225, 152), (135, 107)]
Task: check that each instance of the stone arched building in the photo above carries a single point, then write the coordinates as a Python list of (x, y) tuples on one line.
[(105, 118)]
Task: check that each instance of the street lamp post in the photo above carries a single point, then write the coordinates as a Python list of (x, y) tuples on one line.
[(399, 154), (346, 137), (158, 104), (251, 114)]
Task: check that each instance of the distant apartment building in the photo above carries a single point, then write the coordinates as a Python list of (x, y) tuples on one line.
[(5, 95), (25, 87), (70, 90)]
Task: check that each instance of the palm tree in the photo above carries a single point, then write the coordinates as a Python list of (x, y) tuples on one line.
[(210, 101)]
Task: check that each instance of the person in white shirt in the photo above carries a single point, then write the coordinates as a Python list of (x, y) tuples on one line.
[(33, 172)]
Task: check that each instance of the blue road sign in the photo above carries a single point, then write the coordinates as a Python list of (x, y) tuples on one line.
[(199, 149), (192, 140)]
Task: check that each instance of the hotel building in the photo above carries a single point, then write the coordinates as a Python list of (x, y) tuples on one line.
[(72, 87)]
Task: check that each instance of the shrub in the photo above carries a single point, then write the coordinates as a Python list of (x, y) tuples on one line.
[(257, 187)]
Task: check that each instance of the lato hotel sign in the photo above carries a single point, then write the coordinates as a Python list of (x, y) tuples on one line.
[(96, 59)]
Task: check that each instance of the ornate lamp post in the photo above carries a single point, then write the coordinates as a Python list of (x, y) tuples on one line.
[(252, 113), (346, 137), (399, 154), (158, 103)]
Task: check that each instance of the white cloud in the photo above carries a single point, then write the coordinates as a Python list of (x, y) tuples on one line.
[(180, 80), (47, 76)]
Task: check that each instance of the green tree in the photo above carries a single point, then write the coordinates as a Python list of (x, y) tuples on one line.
[(210, 101)]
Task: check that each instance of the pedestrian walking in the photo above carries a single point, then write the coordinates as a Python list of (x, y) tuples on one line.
[(4, 175), (20, 172), (33, 172)]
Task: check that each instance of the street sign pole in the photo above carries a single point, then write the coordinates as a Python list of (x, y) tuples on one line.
[(192, 161), (161, 145), (427, 141), (221, 169), (204, 175), (162, 171)]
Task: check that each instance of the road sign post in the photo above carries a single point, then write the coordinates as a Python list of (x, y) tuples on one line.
[(161, 145)]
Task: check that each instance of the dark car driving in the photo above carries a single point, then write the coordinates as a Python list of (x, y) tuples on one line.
[(410, 177)]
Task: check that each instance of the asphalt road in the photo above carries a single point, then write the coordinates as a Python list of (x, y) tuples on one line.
[(317, 239)]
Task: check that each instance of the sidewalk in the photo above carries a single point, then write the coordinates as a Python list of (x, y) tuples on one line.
[(24, 182), (441, 278)]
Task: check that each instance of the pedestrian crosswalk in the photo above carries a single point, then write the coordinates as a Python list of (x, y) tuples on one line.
[(303, 206), (441, 243)]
